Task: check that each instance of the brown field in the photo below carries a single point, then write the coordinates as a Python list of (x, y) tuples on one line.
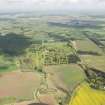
[(21, 86), (18, 84)]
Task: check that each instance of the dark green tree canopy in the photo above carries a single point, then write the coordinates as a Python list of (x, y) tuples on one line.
[(13, 44)]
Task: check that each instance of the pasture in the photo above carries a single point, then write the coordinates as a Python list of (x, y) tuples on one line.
[(97, 62), (68, 74), (87, 47)]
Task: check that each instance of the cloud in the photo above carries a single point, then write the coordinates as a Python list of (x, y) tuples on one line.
[(26, 5)]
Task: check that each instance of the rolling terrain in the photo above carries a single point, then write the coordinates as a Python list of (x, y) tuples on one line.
[(52, 60)]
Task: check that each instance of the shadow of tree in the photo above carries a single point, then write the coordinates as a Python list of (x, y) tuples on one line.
[(58, 37), (88, 53), (13, 44)]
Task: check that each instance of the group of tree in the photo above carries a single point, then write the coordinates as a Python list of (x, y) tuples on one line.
[(37, 57)]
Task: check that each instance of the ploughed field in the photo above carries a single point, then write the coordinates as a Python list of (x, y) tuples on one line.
[(17, 86)]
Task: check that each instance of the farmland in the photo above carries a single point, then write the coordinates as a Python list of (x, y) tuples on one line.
[(52, 59), (23, 88), (87, 95)]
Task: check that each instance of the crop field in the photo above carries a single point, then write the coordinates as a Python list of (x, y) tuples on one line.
[(6, 65), (103, 42), (97, 62), (87, 96), (87, 46), (70, 74), (91, 54), (16, 86)]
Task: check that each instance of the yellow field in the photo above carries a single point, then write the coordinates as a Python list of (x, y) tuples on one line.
[(84, 95)]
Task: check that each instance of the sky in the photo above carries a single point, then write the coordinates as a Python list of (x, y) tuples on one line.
[(46, 5)]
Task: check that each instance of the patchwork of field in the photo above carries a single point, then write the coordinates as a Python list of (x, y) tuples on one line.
[(87, 96), (23, 67), (22, 84), (91, 54)]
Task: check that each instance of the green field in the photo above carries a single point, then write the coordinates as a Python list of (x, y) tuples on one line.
[(7, 68), (70, 74), (87, 46), (6, 65), (7, 100), (97, 62)]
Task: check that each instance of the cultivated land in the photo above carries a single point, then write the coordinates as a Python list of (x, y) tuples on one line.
[(87, 96), (53, 60), (18, 85)]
